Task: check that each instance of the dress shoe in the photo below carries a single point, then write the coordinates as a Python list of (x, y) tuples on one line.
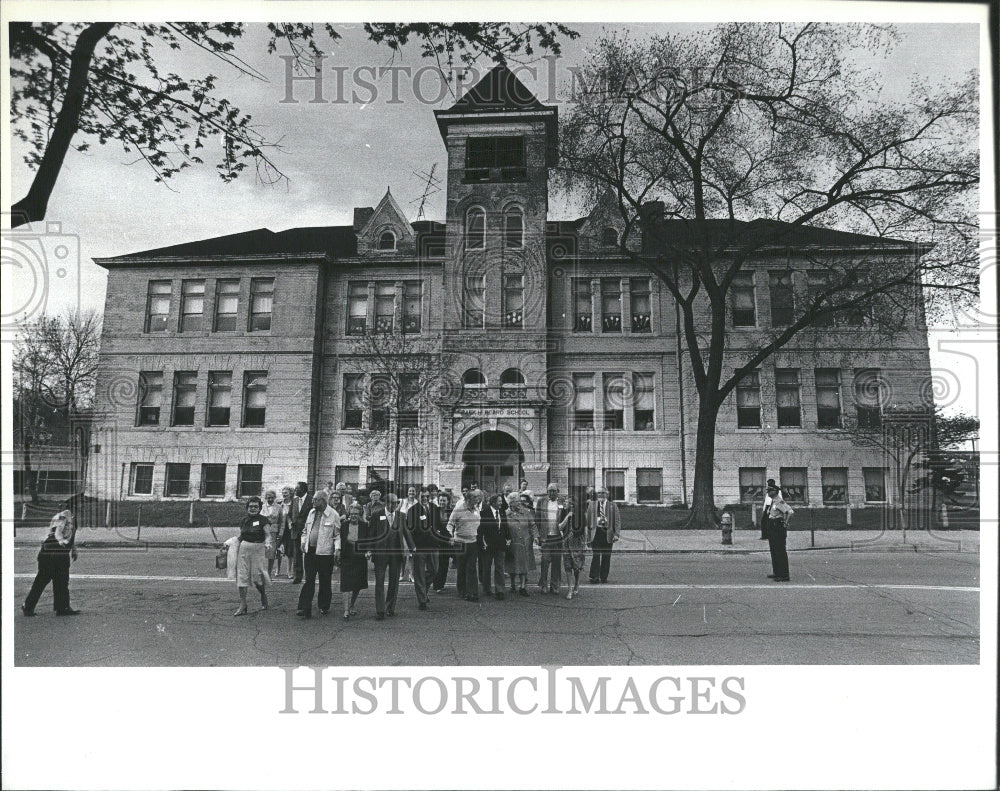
[(27, 613), (603, 582), (324, 612), (782, 579), (391, 613), (570, 594), (554, 590), (439, 590), (593, 581), (380, 616), (303, 614), (422, 606), (499, 596), (770, 576), (70, 611)]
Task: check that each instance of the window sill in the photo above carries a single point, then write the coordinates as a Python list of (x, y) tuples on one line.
[(217, 429)]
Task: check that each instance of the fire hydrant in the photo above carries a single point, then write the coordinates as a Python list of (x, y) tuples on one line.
[(727, 528)]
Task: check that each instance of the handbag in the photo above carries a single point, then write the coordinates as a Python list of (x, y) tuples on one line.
[(221, 558)]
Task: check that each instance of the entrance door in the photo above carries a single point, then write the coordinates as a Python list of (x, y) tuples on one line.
[(492, 459)]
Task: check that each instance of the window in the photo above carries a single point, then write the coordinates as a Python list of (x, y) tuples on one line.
[(819, 282), (353, 400), (782, 298), (513, 228), (409, 401), (868, 397), (220, 396), (614, 482), (793, 485), (410, 476), (512, 384), (385, 306), (473, 384), (748, 401), (357, 308), (786, 383), (261, 303), (141, 479), (609, 237), (513, 300), (348, 475), (611, 304), (580, 479), (874, 484), (185, 385), (583, 307), (752, 484), (642, 402), (150, 398), (412, 293), (583, 402), (614, 402), (157, 306), (213, 480), (379, 398), (475, 228), (227, 303), (254, 398), (377, 475), (177, 480), (742, 300), (495, 159), (474, 301), (386, 241), (834, 481), (248, 480), (641, 315), (192, 305), (648, 484), (828, 398)]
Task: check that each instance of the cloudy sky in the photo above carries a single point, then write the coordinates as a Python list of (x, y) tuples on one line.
[(341, 155)]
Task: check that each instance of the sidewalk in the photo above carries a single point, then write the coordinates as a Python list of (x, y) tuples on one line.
[(646, 541)]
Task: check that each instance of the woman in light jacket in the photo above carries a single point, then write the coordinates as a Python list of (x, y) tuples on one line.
[(272, 510), (523, 537), (320, 547)]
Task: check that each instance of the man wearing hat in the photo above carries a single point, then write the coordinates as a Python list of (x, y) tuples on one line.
[(767, 507), (778, 514)]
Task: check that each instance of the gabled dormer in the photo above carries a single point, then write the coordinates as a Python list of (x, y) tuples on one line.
[(600, 233), (386, 232)]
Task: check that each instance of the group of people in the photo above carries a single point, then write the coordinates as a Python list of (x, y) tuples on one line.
[(490, 539)]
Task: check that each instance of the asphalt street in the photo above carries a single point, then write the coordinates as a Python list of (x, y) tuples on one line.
[(169, 607)]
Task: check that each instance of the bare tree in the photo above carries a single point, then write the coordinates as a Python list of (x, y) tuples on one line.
[(724, 145), (398, 397), (73, 84), (55, 372)]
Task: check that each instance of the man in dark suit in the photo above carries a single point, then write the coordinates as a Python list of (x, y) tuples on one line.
[(420, 522), (446, 548), (389, 537), (303, 505), (494, 537), (603, 530)]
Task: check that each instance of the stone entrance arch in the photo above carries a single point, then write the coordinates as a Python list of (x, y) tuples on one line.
[(492, 458)]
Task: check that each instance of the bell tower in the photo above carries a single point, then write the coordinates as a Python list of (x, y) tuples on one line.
[(501, 142)]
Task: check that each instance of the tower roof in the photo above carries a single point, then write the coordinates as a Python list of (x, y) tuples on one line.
[(501, 93)]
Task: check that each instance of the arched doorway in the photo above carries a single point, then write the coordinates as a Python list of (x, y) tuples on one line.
[(492, 459)]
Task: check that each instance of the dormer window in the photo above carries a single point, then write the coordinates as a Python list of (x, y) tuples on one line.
[(386, 241), (609, 237)]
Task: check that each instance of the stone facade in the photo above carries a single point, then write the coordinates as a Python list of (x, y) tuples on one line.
[(532, 309)]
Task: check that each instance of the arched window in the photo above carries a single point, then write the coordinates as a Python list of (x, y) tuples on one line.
[(386, 241), (609, 237), (475, 228), (474, 383), (513, 228), (512, 384)]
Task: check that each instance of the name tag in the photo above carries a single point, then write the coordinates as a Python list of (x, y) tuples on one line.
[(382, 517), (423, 517)]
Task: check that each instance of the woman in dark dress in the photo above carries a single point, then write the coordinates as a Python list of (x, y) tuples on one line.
[(353, 563)]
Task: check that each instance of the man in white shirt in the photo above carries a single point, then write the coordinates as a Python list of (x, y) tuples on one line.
[(550, 513), (320, 546)]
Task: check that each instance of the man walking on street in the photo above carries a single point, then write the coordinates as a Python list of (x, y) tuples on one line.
[(495, 540), (54, 558), (550, 514), (303, 505), (389, 537)]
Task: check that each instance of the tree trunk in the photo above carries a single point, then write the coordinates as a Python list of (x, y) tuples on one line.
[(702, 515), (28, 473), (32, 207)]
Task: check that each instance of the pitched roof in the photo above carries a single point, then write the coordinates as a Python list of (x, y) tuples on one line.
[(497, 91), (765, 233), (336, 241)]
